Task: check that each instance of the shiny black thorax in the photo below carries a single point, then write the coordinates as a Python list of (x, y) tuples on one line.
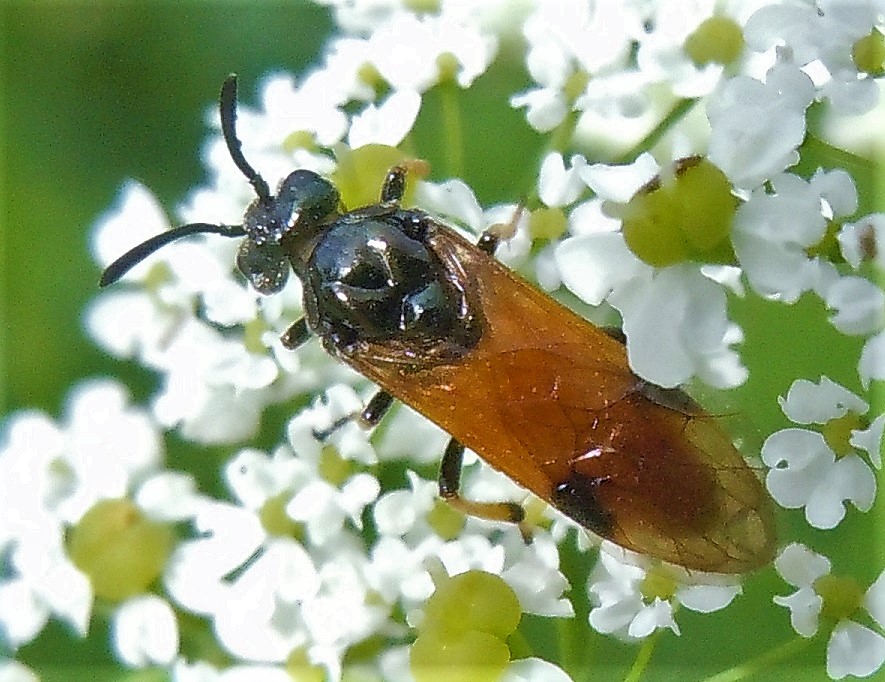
[(373, 278)]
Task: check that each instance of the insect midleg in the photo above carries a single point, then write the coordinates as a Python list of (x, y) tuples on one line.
[(297, 334), (368, 418), (450, 482)]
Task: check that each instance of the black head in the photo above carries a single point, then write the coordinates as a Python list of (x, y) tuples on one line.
[(302, 201)]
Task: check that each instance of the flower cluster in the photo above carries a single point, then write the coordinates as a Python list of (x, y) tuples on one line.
[(708, 184)]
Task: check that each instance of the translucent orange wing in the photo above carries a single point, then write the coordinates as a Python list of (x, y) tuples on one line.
[(549, 400)]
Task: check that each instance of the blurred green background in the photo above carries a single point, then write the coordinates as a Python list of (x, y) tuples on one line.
[(94, 93)]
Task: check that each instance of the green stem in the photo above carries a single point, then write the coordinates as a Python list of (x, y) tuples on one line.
[(644, 656), (561, 137), (679, 110), (826, 154), (756, 666), (454, 132)]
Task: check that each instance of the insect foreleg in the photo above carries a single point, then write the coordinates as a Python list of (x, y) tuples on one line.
[(368, 418)]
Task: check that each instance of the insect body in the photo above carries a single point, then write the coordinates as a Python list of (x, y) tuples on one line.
[(535, 390)]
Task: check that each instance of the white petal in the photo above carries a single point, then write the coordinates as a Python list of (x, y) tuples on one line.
[(870, 440), (863, 240), (13, 671), (800, 462), (168, 496), (22, 614), (859, 305), (620, 183), (799, 566), (654, 616), (592, 265), (836, 188), (616, 616), (546, 107), (558, 186), (874, 600), (707, 598), (850, 479), (854, 650), (810, 403), (145, 632), (533, 669), (805, 605), (871, 365), (387, 123)]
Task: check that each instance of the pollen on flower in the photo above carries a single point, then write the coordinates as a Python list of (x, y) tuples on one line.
[(842, 596), (276, 521), (684, 214), (547, 223), (333, 468), (361, 172), (657, 584), (838, 432), (299, 667), (868, 53), (120, 549), (445, 520), (717, 40), (300, 139), (465, 624)]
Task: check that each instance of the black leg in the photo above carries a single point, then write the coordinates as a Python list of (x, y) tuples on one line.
[(450, 483), (495, 234), (376, 409), (368, 418), (394, 185), (297, 333)]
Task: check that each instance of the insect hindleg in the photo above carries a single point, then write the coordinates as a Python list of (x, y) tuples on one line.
[(450, 482)]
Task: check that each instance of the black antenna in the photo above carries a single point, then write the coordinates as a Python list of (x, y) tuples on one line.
[(134, 256), (228, 111), (228, 105)]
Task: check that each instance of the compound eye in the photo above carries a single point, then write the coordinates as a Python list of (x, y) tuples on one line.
[(308, 195), (264, 265)]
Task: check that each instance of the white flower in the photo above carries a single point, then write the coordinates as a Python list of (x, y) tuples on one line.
[(864, 240), (772, 231), (662, 55), (388, 123), (622, 608), (820, 39), (50, 476), (407, 51), (804, 469), (13, 671), (674, 318), (853, 649), (756, 127), (556, 33), (558, 186)]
